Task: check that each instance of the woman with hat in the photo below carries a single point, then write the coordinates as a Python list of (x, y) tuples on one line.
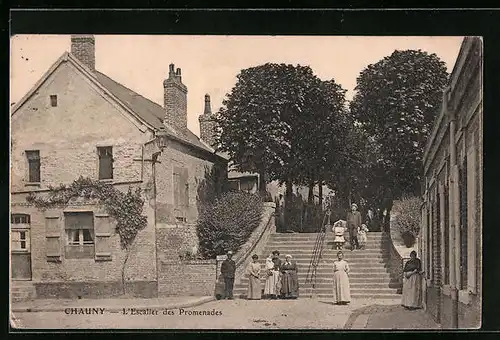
[(273, 264), (289, 279), (254, 286), (353, 225)]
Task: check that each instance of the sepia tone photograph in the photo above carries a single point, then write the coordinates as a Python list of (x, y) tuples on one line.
[(246, 182)]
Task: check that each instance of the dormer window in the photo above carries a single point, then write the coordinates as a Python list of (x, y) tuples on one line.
[(53, 100)]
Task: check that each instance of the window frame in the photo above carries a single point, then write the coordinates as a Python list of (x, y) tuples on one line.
[(53, 100), (105, 148), (82, 249), (36, 160)]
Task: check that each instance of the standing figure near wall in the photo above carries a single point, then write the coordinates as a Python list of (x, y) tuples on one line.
[(228, 269), (412, 283)]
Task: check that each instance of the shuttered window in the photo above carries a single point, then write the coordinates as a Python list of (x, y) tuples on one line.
[(446, 240), (103, 231), (181, 193), (53, 236), (462, 182), (472, 219)]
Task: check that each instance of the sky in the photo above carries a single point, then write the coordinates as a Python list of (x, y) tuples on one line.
[(210, 64)]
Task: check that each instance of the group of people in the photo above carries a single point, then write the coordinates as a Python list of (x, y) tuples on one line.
[(357, 230), (281, 278)]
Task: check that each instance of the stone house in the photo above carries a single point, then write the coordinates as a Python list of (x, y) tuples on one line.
[(74, 122), (452, 212)]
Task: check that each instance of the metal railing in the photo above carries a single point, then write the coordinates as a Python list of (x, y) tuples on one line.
[(317, 253)]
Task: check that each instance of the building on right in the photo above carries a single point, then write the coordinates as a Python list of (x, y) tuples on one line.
[(452, 213)]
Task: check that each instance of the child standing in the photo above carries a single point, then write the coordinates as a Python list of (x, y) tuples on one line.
[(338, 229), (362, 235)]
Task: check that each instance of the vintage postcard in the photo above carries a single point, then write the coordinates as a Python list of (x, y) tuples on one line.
[(246, 182)]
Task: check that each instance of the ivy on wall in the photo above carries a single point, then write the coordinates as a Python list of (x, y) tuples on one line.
[(125, 208)]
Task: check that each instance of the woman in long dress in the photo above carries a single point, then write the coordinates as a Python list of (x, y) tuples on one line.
[(412, 283), (254, 286), (341, 289), (272, 286), (289, 279)]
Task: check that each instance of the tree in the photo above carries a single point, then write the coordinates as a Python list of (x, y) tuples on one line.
[(280, 121), (396, 102)]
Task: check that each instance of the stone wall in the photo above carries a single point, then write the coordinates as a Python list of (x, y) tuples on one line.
[(196, 278), (68, 135)]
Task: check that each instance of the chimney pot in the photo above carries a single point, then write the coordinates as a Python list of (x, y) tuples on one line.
[(171, 68), (178, 72)]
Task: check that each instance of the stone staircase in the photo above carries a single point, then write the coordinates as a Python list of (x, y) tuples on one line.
[(22, 291), (370, 276)]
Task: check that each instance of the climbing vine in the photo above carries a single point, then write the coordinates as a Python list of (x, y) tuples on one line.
[(125, 208)]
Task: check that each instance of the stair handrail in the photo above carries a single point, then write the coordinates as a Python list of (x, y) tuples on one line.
[(317, 252)]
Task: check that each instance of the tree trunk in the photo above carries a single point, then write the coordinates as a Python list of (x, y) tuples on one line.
[(127, 254), (320, 194), (262, 182), (288, 204), (310, 196)]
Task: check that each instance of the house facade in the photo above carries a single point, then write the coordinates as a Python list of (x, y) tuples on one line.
[(77, 122), (451, 237)]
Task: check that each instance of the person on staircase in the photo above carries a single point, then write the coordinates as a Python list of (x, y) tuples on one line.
[(353, 224), (341, 287), (289, 279), (339, 229), (253, 272), (362, 236), (228, 268), (412, 283)]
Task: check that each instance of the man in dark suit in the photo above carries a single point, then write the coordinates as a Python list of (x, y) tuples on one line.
[(227, 270)]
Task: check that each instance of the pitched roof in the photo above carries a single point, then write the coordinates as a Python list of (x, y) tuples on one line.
[(148, 110), (144, 109)]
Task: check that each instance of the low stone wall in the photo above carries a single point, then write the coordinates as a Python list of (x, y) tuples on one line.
[(192, 278), (257, 240), (95, 290)]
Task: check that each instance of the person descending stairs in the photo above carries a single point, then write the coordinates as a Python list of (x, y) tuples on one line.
[(369, 277)]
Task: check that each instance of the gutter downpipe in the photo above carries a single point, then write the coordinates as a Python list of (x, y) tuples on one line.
[(454, 214)]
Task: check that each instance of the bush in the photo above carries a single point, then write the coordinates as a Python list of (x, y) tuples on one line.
[(407, 222), (228, 222)]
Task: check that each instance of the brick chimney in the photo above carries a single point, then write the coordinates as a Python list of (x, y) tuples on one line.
[(207, 124), (83, 48), (175, 99)]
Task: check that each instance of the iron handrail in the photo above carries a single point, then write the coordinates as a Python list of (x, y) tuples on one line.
[(317, 253)]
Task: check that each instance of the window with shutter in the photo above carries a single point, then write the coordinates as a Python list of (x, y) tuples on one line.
[(177, 186), (103, 232), (53, 236), (105, 162), (471, 219), (462, 182), (446, 239), (33, 158)]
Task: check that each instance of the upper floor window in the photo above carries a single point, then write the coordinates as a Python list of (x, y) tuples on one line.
[(33, 157), (105, 162), (53, 100)]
